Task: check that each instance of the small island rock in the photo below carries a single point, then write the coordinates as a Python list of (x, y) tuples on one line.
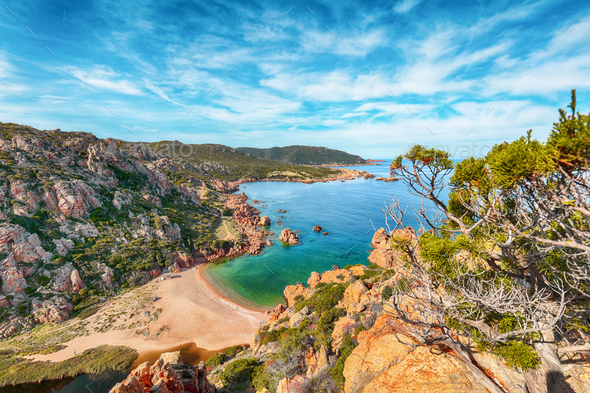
[(325, 233), (317, 228), (288, 236), (264, 221)]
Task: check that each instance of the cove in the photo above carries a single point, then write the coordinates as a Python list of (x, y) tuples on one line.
[(344, 209)]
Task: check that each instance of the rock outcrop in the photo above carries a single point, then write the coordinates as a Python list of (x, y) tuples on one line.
[(166, 375), (51, 311), (383, 254), (289, 237), (317, 228), (264, 221)]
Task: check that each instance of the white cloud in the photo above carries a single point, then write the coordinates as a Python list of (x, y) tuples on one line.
[(105, 78), (405, 5), (158, 91)]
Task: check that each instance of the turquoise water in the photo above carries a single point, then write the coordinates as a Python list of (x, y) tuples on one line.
[(342, 208)]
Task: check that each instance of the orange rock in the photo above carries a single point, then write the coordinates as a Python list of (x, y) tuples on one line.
[(354, 292), (426, 370), (292, 291), (384, 362)]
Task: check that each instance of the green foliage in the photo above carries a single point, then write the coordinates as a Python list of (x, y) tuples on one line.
[(262, 379), (421, 157), (569, 141), (386, 293), (325, 298), (516, 161), (337, 371), (326, 324), (239, 371), (231, 164), (233, 351), (216, 360), (16, 370), (371, 271), (441, 251), (304, 155), (517, 354)]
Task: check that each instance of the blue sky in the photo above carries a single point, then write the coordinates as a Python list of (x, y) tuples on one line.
[(370, 78)]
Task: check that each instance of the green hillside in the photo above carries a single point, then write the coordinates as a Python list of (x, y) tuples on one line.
[(229, 164), (305, 155)]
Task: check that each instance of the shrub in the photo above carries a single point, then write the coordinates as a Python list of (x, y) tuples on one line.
[(326, 323), (216, 360), (337, 371), (324, 299), (518, 354), (233, 351), (239, 371)]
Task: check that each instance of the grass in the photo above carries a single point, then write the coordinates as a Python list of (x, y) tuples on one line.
[(16, 370)]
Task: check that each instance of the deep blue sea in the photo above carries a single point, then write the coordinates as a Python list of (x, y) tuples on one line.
[(344, 209)]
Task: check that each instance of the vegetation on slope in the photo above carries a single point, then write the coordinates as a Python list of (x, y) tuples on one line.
[(304, 155), (225, 163), (510, 260), (16, 370)]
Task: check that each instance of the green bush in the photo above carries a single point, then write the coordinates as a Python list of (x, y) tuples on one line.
[(262, 380), (233, 351), (518, 354), (324, 299), (326, 323), (216, 360), (337, 371), (239, 371)]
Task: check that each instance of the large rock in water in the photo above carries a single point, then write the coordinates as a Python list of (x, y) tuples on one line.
[(264, 221), (317, 228), (288, 236)]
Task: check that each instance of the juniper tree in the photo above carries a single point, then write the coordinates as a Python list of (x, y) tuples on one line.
[(505, 263)]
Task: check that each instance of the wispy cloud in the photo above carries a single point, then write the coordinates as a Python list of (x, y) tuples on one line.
[(105, 78), (359, 76), (405, 5)]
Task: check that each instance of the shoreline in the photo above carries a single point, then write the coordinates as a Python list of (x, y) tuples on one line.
[(349, 174), (192, 312), (226, 296)]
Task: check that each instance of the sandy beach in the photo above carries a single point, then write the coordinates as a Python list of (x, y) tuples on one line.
[(190, 311)]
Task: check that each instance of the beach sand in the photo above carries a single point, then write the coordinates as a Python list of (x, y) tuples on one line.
[(192, 311)]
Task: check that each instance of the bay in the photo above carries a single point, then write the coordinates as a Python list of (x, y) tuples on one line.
[(350, 211)]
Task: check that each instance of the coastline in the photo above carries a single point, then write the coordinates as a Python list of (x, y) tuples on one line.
[(192, 312), (236, 299), (348, 174)]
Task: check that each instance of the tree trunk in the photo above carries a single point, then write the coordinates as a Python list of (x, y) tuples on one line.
[(549, 377), (481, 377)]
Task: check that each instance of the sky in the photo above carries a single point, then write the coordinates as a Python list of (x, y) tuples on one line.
[(371, 78)]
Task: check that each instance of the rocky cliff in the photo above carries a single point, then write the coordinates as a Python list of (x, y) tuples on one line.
[(340, 333), (82, 218), (167, 375)]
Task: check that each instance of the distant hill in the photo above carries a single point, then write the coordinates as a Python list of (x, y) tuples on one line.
[(222, 162), (305, 155)]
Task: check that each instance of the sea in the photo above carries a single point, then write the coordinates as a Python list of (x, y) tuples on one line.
[(350, 211)]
